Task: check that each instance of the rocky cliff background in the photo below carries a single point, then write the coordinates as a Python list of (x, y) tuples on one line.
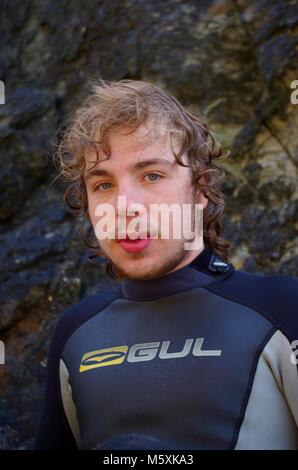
[(232, 61)]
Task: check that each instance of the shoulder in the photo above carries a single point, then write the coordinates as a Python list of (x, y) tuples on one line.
[(75, 315), (275, 296)]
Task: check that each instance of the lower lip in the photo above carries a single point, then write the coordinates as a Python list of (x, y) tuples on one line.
[(134, 246)]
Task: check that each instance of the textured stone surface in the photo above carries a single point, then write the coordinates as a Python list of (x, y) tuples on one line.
[(232, 61)]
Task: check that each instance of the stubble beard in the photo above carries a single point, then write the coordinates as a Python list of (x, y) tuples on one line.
[(156, 268)]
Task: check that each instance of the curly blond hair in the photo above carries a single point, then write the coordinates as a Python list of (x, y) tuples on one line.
[(127, 104)]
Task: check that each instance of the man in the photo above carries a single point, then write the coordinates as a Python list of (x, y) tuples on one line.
[(186, 352)]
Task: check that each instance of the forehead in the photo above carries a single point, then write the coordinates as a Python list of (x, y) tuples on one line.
[(144, 142)]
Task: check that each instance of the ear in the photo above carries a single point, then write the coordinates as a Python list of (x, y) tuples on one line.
[(201, 199)]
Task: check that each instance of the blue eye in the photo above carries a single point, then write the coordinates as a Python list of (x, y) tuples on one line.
[(101, 185), (154, 174)]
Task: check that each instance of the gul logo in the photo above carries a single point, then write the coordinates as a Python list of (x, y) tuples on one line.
[(103, 357), (143, 352)]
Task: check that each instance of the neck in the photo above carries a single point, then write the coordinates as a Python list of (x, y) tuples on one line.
[(185, 262), (203, 269)]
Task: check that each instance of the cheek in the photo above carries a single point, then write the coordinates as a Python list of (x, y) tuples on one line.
[(93, 218), (92, 208), (92, 204)]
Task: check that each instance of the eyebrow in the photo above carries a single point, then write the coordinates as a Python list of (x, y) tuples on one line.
[(136, 166)]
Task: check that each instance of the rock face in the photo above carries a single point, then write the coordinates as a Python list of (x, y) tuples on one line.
[(232, 61)]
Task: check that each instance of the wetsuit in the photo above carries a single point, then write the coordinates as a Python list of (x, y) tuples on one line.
[(201, 358)]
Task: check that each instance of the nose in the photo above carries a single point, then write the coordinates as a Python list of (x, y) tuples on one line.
[(129, 194)]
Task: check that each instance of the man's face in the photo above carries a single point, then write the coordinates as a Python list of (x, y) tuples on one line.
[(152, 182)]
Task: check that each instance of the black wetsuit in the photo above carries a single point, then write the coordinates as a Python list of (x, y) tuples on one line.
[(201, 358)]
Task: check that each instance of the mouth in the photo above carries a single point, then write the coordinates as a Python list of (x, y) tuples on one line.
[(134, 245), (133, 236)]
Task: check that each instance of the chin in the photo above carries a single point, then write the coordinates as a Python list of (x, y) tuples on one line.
[(135, 275), (138, 274)]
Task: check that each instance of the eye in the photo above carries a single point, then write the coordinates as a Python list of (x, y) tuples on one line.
[(154, 175), (103, 186)]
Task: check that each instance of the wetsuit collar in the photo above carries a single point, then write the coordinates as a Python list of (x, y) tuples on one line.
[(204, 269)]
